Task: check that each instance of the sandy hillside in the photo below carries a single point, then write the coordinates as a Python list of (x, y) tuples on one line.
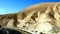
[(36, 19)]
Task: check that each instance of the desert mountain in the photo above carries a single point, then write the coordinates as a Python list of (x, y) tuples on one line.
[(36, 19)]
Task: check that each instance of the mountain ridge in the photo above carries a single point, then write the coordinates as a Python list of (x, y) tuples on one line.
[(35, 18)]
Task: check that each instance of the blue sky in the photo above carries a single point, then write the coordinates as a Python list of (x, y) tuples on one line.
[(13, 6)]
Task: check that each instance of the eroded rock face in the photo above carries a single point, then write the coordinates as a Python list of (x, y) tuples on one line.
[(42, 17), (36, 19), (8, 20)]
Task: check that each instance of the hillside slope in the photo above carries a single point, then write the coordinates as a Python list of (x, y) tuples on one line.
[(36, 19)]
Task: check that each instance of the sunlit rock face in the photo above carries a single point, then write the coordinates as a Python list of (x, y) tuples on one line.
[(43, 18)]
